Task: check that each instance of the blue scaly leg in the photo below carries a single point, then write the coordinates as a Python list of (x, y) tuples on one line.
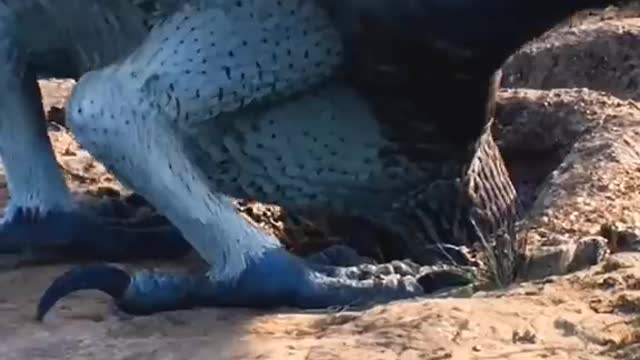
[(276, 279), (248, 267), (42, 222), (91, 230), (188, 142)]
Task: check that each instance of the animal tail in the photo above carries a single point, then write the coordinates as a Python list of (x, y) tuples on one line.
[(478, 207), (494, 209)]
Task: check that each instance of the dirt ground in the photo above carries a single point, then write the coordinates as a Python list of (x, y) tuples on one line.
[(568, 122)]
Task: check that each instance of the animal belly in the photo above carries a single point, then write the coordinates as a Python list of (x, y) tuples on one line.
[(322, 150)]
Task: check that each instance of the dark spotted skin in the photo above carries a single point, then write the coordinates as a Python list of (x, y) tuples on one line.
[(66, 38), (164, 128)]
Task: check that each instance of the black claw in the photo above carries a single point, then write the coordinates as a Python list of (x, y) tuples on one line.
[(440, 278), (105, 278)]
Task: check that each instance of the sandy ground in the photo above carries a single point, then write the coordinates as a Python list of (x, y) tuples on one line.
[(574, 135)]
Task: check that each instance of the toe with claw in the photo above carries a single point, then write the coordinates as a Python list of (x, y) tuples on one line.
[(108, 232), (274, 280)]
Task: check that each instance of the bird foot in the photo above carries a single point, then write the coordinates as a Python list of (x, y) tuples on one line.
[(105, 230), (275, 279)]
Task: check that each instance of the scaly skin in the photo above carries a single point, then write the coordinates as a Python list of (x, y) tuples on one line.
[(64, 38), (245, 99)]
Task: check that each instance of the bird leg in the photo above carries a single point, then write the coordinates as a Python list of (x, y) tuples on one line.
[(142, 145), (42, 223), (248, 267)]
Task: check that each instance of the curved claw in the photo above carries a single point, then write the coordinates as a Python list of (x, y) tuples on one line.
[(446, 276), (108, 279), (275, 279)]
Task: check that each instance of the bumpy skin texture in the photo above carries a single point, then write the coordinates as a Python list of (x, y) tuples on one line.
[(228, 98), (42, 222)]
